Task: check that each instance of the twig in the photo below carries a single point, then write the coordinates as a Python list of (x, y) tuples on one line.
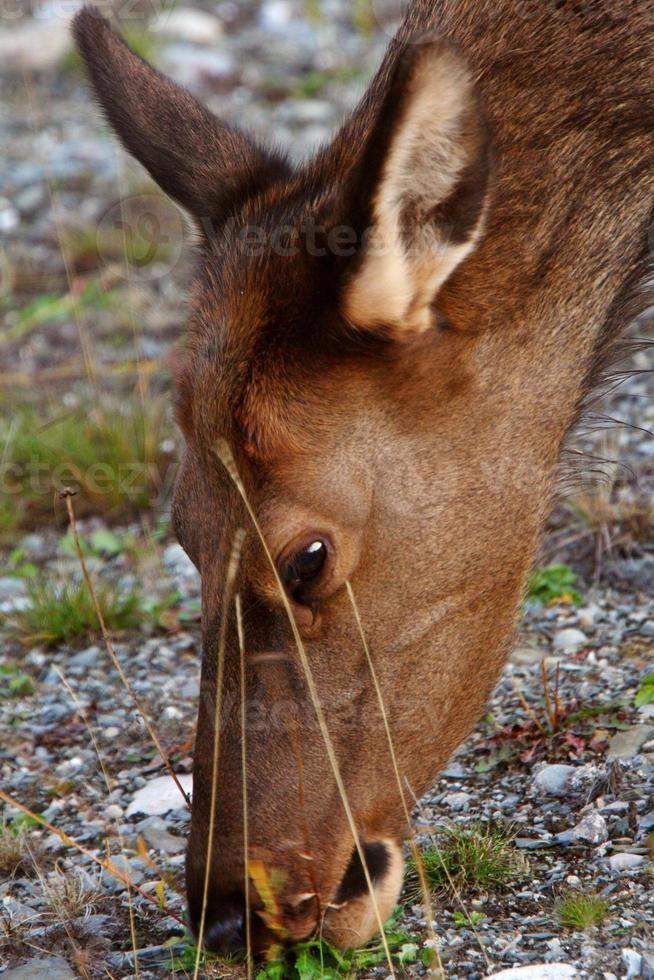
[(105, 864)]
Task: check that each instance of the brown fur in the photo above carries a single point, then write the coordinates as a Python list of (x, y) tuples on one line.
[(423, 450)]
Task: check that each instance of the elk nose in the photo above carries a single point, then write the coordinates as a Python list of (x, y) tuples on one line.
[(224, 930)]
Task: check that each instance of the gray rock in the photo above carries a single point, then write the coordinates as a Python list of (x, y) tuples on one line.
[(634, 962), (156, 834), (15, 604), (592, 829), (30, 198), (188, 24), (94, 925), (584, 777), (625, 862), (457, 801), (89, 657), (647, 822), (636, 572), (532, 844), (9, 216), (180, 564), (12, 587), (555, 951), (52, 967), (34, 46), (538, 971), (190, 690), (554, 779), (569, 639), (190, 65), (626, 745)]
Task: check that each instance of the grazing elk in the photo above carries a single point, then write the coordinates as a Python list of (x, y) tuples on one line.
[(394, 339)]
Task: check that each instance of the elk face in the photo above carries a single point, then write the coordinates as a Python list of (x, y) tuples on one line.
[(349, 404)]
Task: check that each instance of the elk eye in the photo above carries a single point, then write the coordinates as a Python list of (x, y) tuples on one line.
[(304, 567)]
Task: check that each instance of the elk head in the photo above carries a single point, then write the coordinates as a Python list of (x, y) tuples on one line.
[(354, 341)]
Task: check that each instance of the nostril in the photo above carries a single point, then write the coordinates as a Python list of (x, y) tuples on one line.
[(224, 930)]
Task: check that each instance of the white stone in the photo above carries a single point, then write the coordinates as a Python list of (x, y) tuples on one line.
[(592, 829), (171, 713), (34, 46), (113, 811), (160, 796), (554, 779), (276, 15), (188, 24), (623, 861), (180, 564), (569, 639), (539, 971), (587, 615)]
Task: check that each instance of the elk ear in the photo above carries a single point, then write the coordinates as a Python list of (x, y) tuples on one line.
[(203, 164), (420, 189)]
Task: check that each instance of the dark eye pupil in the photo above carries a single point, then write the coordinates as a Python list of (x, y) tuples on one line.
[(305, 565)]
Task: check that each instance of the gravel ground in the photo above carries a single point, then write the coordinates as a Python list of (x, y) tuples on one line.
[(580, 798)]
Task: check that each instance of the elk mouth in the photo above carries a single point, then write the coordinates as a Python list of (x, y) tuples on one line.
[(355, 915), (350, 920)]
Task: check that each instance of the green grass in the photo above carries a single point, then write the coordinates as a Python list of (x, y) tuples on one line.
[(110, 452), (140, 40), (18, 850), (316, 959), (479, 858), (582, 911), (313, 82), (645, 692), (63, 611), (463, 920), (15, 684), (49, 308), (555, 583)]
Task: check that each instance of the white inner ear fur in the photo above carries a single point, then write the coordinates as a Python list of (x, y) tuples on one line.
[(429, 153)]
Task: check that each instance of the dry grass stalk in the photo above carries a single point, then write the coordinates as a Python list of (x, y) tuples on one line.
[(104, 863), (225, 455), (437, 971), (230, 580), (246, 843)]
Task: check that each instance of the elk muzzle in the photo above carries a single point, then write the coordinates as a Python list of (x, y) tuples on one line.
[(348, 920)]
